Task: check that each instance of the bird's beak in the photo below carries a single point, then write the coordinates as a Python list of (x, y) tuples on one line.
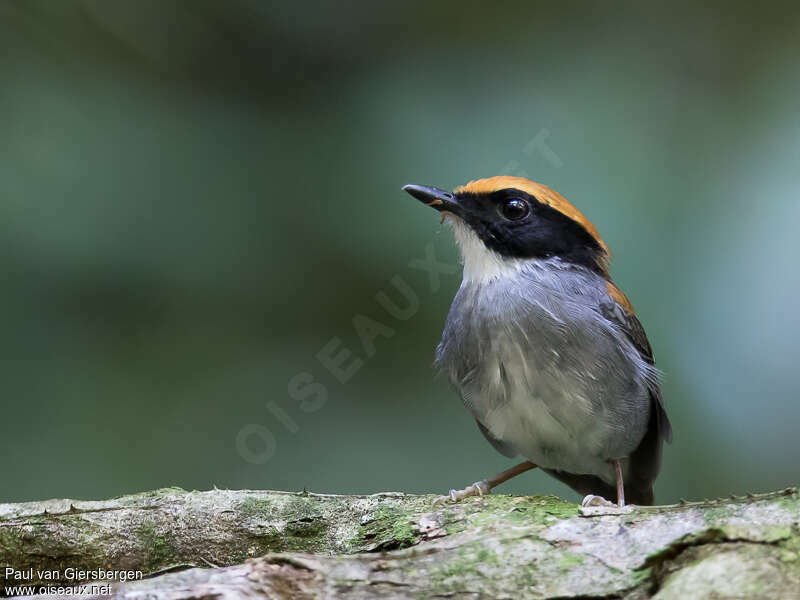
[(441, 200)]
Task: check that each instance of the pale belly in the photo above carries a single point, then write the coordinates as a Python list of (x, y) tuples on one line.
[(579, 446), (545, 374), (571, 403)]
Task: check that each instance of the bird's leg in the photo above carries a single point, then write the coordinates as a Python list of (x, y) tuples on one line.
[(620, 484), (485, 486), (592, 500)]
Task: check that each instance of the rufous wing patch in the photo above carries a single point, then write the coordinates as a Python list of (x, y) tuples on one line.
[(619, 297), (539, 191)]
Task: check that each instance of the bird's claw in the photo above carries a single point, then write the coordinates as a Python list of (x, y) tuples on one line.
[(595, 506), (593, 500), (479, 488)]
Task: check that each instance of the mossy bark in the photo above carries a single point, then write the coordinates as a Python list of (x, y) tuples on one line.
[(234, 544)]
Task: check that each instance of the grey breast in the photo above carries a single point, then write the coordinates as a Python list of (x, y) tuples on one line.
[(544, 372)]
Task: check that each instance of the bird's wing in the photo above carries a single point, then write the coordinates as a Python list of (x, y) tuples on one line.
[(619, 311)]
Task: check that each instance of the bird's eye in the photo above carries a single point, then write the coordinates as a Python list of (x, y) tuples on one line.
[(514, 209)]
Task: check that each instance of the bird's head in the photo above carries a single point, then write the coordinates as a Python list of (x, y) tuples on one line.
[(503, 222)]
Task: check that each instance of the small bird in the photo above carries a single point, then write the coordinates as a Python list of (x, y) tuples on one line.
[(544, 350)]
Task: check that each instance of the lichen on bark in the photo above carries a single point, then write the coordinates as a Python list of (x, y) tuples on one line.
[(295, 545)]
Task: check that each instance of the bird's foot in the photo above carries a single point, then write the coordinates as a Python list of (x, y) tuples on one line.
[(593, 505), (479, 488), (592, 500)]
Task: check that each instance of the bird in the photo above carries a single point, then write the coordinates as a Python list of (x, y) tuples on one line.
[(545, 351)]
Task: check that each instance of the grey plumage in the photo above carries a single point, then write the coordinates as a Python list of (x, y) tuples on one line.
[(553, 371), (545, 351)]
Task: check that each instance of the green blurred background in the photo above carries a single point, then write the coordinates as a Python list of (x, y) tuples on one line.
[(198, 196)]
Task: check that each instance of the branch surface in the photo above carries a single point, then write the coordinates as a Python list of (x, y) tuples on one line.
[(259, 544)]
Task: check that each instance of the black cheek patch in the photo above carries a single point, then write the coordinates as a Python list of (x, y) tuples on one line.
[(544, 233)]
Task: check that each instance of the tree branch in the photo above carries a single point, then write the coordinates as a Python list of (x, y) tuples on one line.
[(401, 546)]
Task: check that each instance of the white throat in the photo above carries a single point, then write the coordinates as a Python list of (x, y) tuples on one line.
[(481, 265)]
